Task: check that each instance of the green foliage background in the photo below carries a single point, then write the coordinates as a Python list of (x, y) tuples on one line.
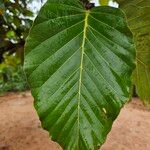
[(15, 21), (12, 77)]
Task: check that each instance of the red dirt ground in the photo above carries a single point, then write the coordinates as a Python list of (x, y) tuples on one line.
[(20, 128)]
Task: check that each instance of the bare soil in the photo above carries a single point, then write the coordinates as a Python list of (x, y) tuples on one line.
[(20, 128)]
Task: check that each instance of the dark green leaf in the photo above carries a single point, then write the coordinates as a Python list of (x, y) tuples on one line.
[(78, 63)]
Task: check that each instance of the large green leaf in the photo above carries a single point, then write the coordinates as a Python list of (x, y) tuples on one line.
[(78, 63), (138, 15)]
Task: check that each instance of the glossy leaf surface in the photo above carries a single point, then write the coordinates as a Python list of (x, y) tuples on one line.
[(138, 14), (78, 64)]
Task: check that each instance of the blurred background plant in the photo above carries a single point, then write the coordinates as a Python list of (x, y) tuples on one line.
[(12, 77), (16, 18)]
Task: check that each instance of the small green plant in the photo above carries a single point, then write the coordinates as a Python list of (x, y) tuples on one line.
[(78, 61), (12, 77)]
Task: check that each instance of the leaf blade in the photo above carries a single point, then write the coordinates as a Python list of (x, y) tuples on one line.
[(71, 71)]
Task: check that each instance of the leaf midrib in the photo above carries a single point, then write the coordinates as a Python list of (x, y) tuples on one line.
[(81, 68)]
